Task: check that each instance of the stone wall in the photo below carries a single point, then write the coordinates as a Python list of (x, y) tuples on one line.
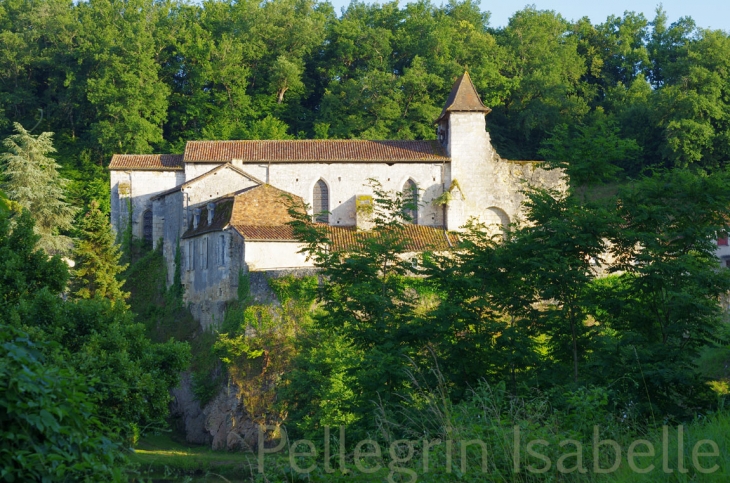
[(274, 255), (223, 423), (345, 181), (222, 182), (137, 187), (168, 212), (209, 286), (259, 287), (485, 186)]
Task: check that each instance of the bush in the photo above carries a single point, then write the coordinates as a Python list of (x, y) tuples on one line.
[(49, 428)]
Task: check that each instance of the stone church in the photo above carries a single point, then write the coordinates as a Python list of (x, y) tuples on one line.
[(220, 201)]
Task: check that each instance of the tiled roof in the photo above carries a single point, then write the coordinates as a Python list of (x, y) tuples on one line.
[(331, 151), (421, 238), (463, 98), (151, 162), (261, 207), (266, 233), (345, 238)]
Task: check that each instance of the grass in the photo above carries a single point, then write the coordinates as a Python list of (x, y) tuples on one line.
[(160, 458)]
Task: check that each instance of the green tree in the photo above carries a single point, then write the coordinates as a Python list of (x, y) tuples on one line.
[(364, 297), (560, 245), (118, 63), (97, 269), (692, 107), (544, 86), (50, 429), (131, 375), (32, 180), (589, 153), (485, 307), (24, 268), (664, 302), (96, 337)]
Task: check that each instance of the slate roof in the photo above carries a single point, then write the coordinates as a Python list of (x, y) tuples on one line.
[(328, 151), (221, 218), (148, 162), (463, 98)]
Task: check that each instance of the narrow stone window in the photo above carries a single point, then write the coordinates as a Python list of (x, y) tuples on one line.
[(321, 202), (147, 226), (204, 253), (221, 250), (410, 199), (191, 254)]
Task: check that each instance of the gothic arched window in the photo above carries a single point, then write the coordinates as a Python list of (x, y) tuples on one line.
[(410, 199), (321, 202), (147, 226)]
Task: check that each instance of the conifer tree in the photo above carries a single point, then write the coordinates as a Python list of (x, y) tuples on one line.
[(31, 179), (97, 259)]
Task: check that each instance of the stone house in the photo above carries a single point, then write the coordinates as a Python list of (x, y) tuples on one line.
[(220, 201)]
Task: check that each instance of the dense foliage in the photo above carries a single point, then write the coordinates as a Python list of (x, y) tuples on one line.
[(50, 430), (31, 179), (137, 76), (616, 298), (96, 256), (79, 375)]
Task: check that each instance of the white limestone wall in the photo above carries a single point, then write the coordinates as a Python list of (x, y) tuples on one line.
[(137, 187), (274, 256), (168, 216), (490, 187), (347, 180), (193, 170), (220, 183)]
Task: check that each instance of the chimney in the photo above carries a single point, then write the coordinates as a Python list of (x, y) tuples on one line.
[(364, 212)]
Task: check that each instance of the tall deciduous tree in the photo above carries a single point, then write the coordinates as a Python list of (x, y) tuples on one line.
[(32, 180), (119, 63), (97, 269), (590, 153), (663, 305)]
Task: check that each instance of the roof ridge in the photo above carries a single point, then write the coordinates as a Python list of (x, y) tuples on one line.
[(315, 150), (150, 162)]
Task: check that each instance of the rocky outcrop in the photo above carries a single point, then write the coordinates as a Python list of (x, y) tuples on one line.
[(186, 409), (228, 423), (223, 423)]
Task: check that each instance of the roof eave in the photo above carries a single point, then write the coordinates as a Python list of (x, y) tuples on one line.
[(136, 168)]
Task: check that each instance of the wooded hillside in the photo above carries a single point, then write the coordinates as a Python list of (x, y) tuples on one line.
[(138, 76)]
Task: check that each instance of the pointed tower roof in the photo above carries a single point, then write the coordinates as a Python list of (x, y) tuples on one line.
[(463, 98)]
